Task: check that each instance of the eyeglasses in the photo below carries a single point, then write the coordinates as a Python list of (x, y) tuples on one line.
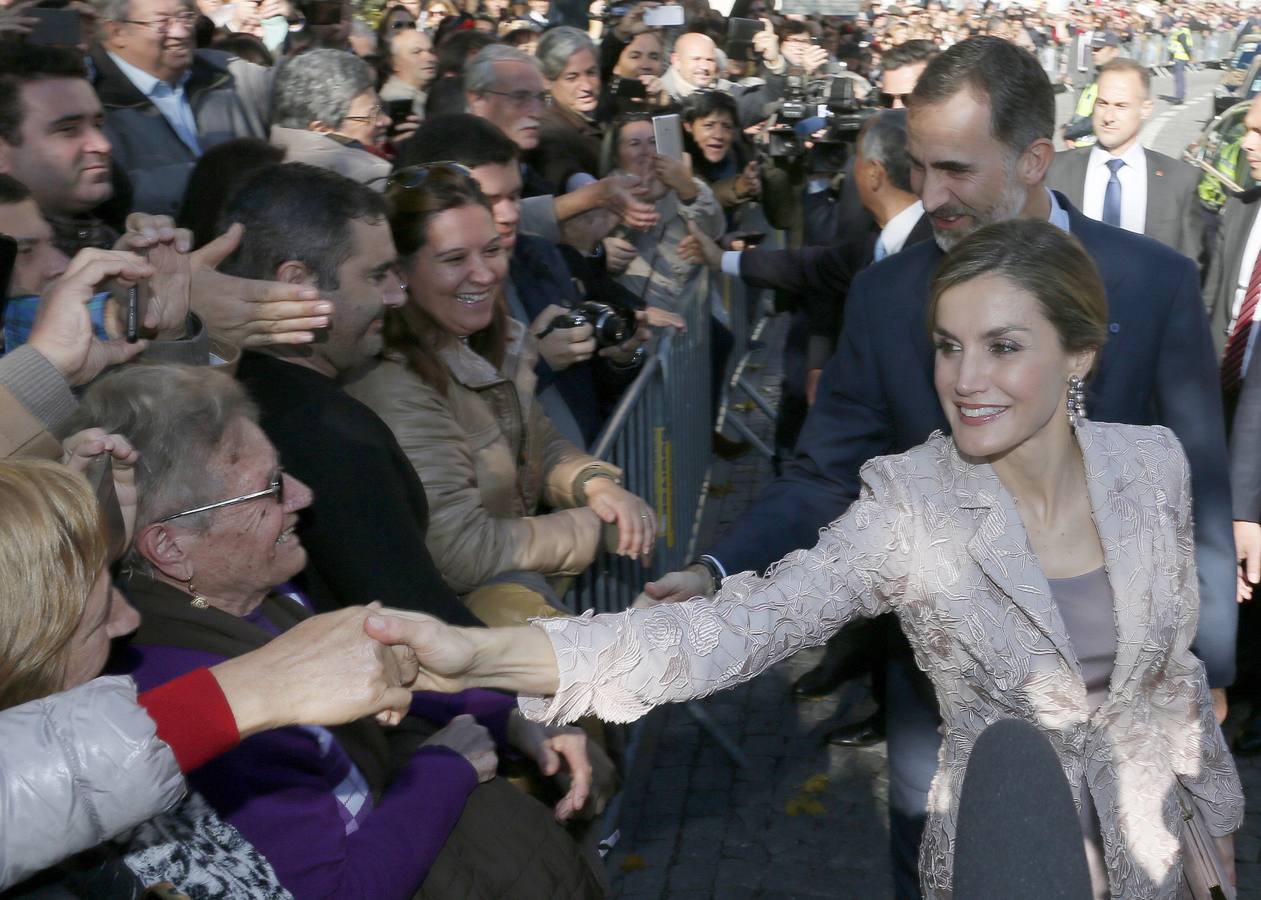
[(370, 116), (522, 98), (400, 24), (403, 187), (276, 488), (163, 24), (887, 99)]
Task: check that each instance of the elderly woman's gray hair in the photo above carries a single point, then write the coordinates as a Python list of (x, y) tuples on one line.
[(558, 45), (479, 72), (177, 418), (319, 86)]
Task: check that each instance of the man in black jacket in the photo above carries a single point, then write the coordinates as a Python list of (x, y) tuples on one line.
[(365, 530)]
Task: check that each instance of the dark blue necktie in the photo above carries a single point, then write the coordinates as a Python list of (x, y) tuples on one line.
[(1112, 194)]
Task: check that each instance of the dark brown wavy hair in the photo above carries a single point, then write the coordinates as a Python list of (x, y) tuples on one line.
[(415, 197)]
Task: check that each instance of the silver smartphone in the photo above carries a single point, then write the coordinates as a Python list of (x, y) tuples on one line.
[(668, 131), (663, 16)]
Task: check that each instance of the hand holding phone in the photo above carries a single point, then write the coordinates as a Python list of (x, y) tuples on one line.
[(55, 27), (668, 132)]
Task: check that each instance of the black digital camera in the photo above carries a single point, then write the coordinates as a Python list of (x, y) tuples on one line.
[(610, 326)]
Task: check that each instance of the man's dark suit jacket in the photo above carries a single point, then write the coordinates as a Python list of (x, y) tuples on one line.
[(876, 397), (1223, 272), (1173, 206), (821, 277), (365, 531), (1245, 447)]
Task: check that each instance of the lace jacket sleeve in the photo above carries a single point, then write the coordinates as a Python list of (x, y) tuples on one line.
[(618, 666)]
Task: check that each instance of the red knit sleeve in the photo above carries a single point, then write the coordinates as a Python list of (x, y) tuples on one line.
[(193, 718)]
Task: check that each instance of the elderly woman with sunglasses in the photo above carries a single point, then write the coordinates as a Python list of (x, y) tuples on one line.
[(347, 812), (512, 503)]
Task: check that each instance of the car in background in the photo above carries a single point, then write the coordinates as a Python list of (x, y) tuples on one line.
[(1234, 72), (1218, 152)]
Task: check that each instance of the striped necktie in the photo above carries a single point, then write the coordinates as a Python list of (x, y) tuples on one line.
[(1237, 343)]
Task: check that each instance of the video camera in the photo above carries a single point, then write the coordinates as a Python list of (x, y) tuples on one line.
[(831, 97)]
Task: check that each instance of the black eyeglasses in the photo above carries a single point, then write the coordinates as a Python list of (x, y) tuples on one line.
[(275, 488), (521, 98), (163, 24), (400, 24)]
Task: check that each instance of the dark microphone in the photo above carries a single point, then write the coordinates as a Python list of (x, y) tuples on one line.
[(1018, 831)]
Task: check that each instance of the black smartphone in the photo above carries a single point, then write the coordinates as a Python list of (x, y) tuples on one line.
[(398, 111), (630, 89), (740, 38), (137, 307), (8, 256), (55, 27), (323, 12)]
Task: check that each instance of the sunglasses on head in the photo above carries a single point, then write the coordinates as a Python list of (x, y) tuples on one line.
[(404, 182)]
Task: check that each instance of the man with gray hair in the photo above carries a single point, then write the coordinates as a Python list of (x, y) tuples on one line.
[(505, 86), (326, 113), (167, 102)]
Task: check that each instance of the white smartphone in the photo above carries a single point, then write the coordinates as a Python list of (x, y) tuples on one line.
[(668, 131), (662, 16)]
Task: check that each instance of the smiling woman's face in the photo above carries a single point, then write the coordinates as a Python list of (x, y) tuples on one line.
[(455, 276), (1000, 369)]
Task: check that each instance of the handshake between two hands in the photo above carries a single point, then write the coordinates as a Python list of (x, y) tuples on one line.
[(366, 661)]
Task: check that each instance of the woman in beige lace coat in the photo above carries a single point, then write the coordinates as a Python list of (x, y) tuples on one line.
[(984, 544)]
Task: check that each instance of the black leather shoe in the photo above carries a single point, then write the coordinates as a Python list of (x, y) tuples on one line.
[(863, 733), (725, 448), (833, 670), (1248, 741)]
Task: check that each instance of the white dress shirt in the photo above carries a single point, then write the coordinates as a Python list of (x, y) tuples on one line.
[(1250, 251), (1133, 178)]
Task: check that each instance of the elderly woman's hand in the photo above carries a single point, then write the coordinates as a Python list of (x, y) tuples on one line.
[(325, 670), (636, 521), (677, 175), (467, 737), (548, 747), (82, 447)]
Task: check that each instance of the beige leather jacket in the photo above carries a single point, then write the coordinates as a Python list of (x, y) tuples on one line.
[(489, 458), (939, 542)]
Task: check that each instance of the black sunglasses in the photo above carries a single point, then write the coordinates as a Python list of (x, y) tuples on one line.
[(402, 184)]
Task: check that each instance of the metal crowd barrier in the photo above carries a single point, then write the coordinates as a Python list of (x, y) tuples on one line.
[(660, 436), (1150, 49)]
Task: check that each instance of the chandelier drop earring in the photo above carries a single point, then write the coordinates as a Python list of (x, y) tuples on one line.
[(1076, 401), (198, 601)]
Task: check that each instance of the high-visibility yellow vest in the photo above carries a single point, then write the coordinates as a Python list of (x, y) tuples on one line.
[(1086, 100), (1177, 48)]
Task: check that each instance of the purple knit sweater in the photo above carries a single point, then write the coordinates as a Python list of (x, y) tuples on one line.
[(297, 797)]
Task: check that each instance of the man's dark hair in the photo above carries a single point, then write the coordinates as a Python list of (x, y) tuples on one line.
[(457, 48), (1021, 99), (908, 54), (22, 63), (458, 137), (883, 140), (12, 191), (297, 212), (214, 179)]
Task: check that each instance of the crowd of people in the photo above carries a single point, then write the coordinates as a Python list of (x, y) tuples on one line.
[(315, 312)]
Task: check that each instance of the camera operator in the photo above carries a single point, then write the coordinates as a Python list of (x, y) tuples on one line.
[(833, 210)]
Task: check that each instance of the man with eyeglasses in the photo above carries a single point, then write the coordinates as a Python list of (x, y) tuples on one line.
[(167, 102)]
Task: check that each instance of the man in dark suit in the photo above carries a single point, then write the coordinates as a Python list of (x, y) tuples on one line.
[(820, 278), (1231, 293), (980, 127), (1120, 183)]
